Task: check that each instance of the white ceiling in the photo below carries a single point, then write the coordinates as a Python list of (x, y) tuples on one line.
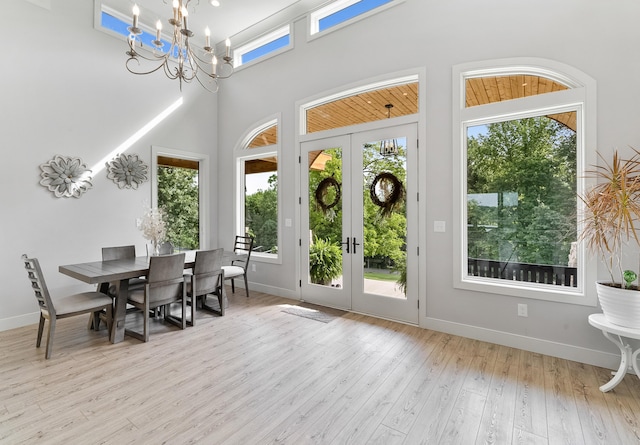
[(226, 20)]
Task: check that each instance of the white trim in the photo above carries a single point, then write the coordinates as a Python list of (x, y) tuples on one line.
[(241, 154), (580, 98), (19, 321), (546, 347), (203, 185)]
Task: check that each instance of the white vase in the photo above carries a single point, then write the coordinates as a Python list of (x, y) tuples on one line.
[(620, 306)]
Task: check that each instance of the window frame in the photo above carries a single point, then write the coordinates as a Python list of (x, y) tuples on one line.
[(243, 154), (265, 39), (203, 185), (580, 97)]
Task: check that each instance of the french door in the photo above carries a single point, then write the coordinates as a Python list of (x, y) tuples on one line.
[(359, 222)]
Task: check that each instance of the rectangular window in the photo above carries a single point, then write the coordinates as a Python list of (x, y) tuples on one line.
[(267, 45), (261, 203), (341, 11)]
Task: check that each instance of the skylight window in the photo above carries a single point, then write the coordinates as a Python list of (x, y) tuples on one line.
[(342, 11), (269, 44)]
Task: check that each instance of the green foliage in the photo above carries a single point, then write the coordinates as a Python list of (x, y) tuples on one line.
[(178, 197), (384, 238), (534, 161), (325, 261), (261, 216)]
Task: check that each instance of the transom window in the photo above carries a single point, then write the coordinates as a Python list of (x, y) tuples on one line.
[(519, 170), (341, 11), (268, 45)]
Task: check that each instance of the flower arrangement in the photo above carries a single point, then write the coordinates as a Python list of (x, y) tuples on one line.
[(153, 227)]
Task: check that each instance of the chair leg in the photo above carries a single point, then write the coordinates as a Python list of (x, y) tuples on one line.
[(246, 284), (40, 330), (183, 322), (194, 303), (52, 328), (145, 333), (221, 299), (233, 286)]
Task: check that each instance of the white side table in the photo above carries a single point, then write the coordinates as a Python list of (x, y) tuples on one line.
[(616, 334)]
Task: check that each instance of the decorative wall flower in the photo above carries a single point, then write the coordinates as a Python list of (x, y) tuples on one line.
[(128, 171), (66, 177)]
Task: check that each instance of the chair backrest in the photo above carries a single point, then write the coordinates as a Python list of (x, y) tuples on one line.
[(118, 253), (243, 245), (166, 277), (208, 271), (38, 284), (166, 248)]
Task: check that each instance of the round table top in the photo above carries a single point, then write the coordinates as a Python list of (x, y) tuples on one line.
[(598, 321)]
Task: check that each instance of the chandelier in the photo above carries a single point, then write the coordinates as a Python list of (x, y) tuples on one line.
[(389, 147), (179, 58)]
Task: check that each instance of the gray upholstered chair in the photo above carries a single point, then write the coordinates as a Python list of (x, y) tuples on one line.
[(62, 307), (243, 246), (164, 286), (207, 279), (120, 253)]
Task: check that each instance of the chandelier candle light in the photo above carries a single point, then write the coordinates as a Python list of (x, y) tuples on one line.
[(188, 64)]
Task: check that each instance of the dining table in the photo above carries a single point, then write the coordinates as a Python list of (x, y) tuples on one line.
[(120, 271)]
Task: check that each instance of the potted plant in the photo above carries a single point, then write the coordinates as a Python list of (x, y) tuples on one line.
[(612, 211), (325, 261)]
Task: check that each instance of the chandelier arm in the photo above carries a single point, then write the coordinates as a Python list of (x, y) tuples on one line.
[(142, 72)]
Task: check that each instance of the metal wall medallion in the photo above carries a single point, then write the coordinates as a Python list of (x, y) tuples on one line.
[(128, 171), (66, 177)]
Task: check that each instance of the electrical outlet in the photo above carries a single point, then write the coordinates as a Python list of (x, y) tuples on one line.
[(522, 310), (253, 268)]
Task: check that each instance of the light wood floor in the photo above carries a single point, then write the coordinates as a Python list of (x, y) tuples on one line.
[(260, 376)]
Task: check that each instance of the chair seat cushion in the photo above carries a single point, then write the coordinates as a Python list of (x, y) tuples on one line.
[(134, 283), (232, 271), (82, 302)]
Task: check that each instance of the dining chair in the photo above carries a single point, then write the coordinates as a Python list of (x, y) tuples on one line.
[(116, 253), (54, 308), (164, 286), (207, 279), (242, 246)]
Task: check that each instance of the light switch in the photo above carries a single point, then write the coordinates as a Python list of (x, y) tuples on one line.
[(439, 226), (288, 222)]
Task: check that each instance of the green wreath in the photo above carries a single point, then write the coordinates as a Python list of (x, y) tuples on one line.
[(392, 192), (321, 193)]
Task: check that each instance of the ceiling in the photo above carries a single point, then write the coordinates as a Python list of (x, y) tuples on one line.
[(226, 20)]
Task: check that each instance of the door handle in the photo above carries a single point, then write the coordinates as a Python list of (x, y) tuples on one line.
[(347, 244), (354, 245)]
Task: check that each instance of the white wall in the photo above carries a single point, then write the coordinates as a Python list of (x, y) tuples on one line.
[(596, 37), (65, 90)]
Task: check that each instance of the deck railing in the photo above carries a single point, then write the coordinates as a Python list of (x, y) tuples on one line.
[(531, 273)]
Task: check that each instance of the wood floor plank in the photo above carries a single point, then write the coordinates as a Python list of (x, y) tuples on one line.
[(563, 421), (531, 411), (259, 375), (499, 410)]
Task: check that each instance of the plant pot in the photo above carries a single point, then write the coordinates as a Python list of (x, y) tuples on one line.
[(619, 306)]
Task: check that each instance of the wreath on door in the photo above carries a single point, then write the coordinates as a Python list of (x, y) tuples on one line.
[(386, 191), (321, 195)]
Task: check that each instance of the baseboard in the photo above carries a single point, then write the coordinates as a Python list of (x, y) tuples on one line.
[(19, 321), (271, 290), (546, 347)]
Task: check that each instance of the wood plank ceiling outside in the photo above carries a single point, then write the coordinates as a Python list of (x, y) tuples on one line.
[(485, 90), (364, 107)]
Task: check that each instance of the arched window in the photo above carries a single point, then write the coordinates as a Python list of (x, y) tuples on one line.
[(520, 133), (257, 189)]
